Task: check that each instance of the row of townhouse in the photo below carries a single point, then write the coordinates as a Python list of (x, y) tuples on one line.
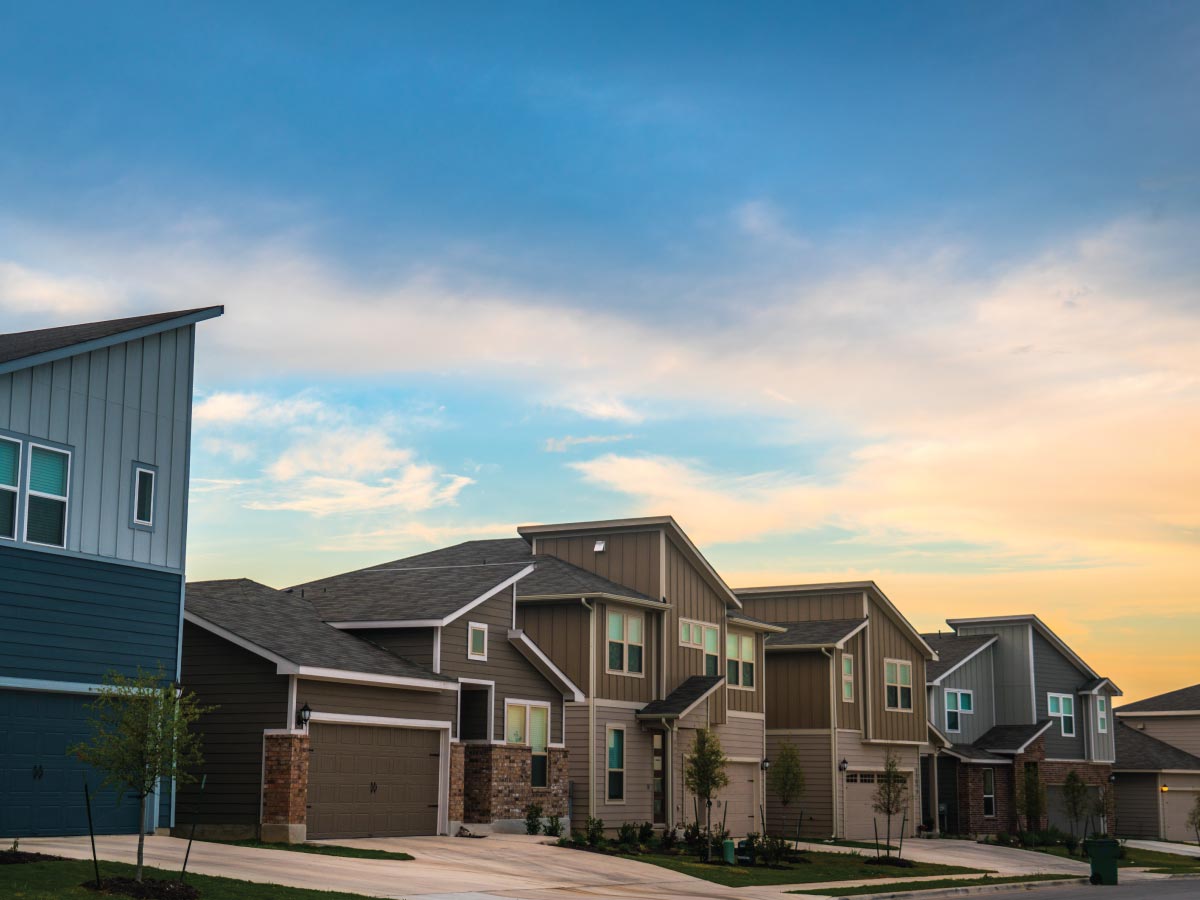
[(568, 666)]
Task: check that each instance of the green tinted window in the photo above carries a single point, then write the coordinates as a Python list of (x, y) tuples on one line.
[(10, 462), (48, 471), (616, 627)]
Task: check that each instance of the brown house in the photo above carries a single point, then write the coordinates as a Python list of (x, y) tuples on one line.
[(844, 687)]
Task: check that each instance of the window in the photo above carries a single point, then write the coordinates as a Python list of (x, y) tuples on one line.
[(989, 793), (1102, 715), (847, 678), (514, 722), (703, 637), (897, 683), (143, 497), (46, 496), (10, 476), (616, 763), (539, 725), (625, 643), (739, 660), (958, 704), (477, 641), (1062, 707)]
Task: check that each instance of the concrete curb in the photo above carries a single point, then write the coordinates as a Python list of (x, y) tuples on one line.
[(969, 889)]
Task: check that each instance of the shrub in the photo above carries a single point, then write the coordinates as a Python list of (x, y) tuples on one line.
[(595, 832), (693, 836), (1003, 838), (774, 850), (533, 819), (627, 834), (1071, 843), (577, 839), (553, 827), (752, 846), (668, 841), (645, 832), (717, 841)]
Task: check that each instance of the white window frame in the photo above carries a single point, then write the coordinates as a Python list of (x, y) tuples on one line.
[(526, 705), (138, 469), (699, 645), (65, 499), (1060, 715), (848, 678), (986, 795), (899, 687), (472, 627), (625, 642), (15, 490), (1102, 714), (958, 692), (624, 770), (737, 660)]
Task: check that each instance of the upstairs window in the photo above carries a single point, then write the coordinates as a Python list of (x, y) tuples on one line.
[(739, 660), (46, 496), (10, 478), (703, 637), (1062, 707), (1102, 715), (625, 643), (958, 704), (897, 684), (847, 678), (477, 641), (143, 496)]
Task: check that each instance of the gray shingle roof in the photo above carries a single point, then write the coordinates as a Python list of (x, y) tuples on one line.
[(976, 754), (1183, 700), (1010, 738), (1138, 751), (22, 344), (682, 698), (468, 553), (735, 616), (555, 576), (951, 649), (820, 633), (288, 626)]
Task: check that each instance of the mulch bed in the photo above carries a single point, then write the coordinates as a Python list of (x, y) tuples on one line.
[(16, 857), (149, 889), (896, 861)]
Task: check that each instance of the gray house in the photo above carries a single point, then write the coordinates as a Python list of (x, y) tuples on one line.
[(95, 435)]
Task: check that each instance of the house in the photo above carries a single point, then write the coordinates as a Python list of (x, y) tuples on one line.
[(426, 709), (95, 435), (843, 687), (1158, 765), (1010, 701)]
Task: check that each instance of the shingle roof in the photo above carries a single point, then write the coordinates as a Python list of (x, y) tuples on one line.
[(468, 553), (1138, 751), (971, 753), (22, 344), (1010, 738), (1183, 700), (736, 616), (951, 649), (683, 698), (554, 576), (288, 626), (820, 633)]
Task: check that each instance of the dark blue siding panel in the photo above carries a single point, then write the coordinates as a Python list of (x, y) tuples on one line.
[(69, 619)]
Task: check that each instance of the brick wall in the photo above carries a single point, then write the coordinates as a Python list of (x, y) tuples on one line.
[(496, 783), (971, 819), (1054, 772), (457, 765), (285, 782)]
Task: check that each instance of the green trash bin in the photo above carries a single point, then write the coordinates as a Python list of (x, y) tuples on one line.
[(730, 852), (1103, 853)]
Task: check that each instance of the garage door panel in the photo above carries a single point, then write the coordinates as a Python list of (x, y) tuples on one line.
[(860, 818), (1177, 804)]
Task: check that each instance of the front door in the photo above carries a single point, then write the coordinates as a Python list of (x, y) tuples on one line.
[(659, 764)]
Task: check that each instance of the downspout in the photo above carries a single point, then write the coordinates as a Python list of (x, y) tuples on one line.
[(591, 784), (833, 742)]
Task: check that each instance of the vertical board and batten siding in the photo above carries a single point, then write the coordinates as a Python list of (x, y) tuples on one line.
[(1137, 805), (887, 640), (974, 675), (1103, 746), (1054, 673), (413, 644), (1180, 731), (804, 606), (741, 699), (561, 632), (797, 689), (691, 597), (1011, 667), (629, 558), (630, 688), (816, 805), (66, 618), (850, 715), (250, 697), (125, 403), (373, 700)]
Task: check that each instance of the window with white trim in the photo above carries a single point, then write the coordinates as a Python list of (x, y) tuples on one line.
[(897, 685), (847, 678), (143, 496), (989, 793), (625, 643), (739, 660), (704, 637), (1062, 707), (959, 703), (528, 724), (615, 777), (10, 486), (477, 641), (46, 495), (1102, 715)]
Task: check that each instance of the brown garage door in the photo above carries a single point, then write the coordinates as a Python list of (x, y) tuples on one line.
[(859, 806), (1177, 803), (737, 803), (373, 782)]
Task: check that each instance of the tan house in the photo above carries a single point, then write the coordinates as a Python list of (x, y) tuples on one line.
[(845, 687)]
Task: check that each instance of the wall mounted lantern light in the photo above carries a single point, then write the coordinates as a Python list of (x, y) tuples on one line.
[(303, 714)]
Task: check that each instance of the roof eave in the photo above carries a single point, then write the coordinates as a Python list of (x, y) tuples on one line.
[(540, 661), (963, 661), (592, 595)]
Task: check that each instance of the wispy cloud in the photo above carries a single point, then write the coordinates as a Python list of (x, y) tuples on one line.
[(415, 532), (563, 444), (239, 408), (27, 290)]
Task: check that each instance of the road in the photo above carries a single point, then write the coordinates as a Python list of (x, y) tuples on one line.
[(1167, 889)]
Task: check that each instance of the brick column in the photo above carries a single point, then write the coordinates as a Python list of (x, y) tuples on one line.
[(458, 756), (285, 787)]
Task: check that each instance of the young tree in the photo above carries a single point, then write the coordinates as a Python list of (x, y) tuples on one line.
[(1032, 799), (1193, 819), (1076, 801), (704, 775), (141, 734), (891, 793), (786, 778)]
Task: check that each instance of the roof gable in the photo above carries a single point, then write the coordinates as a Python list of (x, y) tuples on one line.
[(1139, 752), (1183, 700), (953, 650)]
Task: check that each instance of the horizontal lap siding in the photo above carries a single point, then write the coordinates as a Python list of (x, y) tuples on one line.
[(561, 632), (742, 738), (249, 697), (797, 690), (1137, 806), (639, 790), (576, 738), (888, 641), (816, 803), (1179, 731), (371, 700), (70, 619), (743, 700)]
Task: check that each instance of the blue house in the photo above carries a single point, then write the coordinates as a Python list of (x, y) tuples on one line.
[(95, 434)]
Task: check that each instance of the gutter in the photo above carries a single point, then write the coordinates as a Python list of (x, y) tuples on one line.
[(591, 702), (833, 760)]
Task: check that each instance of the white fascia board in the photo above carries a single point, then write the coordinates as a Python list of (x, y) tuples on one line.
[(283, 666), (379, 721), (962, 662), (488, 594), (541, 661), (317, 673), (593, 595), (840, 645), (386, 623), (1134, 714)]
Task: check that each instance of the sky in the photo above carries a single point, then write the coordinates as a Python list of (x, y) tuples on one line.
[(908, 292)]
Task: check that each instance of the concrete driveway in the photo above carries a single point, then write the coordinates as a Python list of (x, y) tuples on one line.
[(1166, 847), (1002, 860)]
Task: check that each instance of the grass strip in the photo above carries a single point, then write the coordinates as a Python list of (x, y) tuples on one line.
[(916, 886)]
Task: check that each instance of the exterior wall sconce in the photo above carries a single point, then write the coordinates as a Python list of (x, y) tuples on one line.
[(843, 765), (1112, 779), (303, 715), (1164, 788), (765, 764)]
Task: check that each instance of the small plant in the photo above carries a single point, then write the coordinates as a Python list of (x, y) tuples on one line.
[(891, 796), (1193, 819), (645, 832), (1071, 843), (1076, 802), (577, 839), (752, 846), (552, 827), (693, 836), (533, 819), (774, 851), (668, 841), (786, 780), (595, 832), (717, 841), (627, 835), (704, 773), (15, 845)]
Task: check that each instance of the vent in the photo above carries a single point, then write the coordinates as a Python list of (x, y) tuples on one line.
[(599, 548)]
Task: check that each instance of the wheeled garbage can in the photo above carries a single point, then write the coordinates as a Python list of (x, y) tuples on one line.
[(1103, 853)]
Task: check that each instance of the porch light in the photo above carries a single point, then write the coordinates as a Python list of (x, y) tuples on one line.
[(1164, 788), (843, 765), (1112, 779), (765, 764), (303, 714)]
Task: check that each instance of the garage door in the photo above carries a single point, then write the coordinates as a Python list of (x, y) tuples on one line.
[(1056, 814), (1176, 806), (41, 786), (860, 815), (737, 804), (373, 782)]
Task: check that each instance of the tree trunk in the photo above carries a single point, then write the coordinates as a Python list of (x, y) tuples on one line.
[(141, 838), (708, 832), (887, 842)]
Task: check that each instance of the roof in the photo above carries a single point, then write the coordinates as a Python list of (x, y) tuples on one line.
[(1182, 700), (553, 577), (46, 344), (971, 753), (683, 699), (289, 627), (1011, 738), (1138, 752), (736, 617), (953, 650), (815, 634)]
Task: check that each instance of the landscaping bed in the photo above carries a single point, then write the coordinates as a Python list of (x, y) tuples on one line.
[(17, 857), (937, 884)]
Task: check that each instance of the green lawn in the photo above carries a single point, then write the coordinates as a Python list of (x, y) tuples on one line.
[(931, 885), (823, 867), (64, 880), (1166, 863), (859, 845), (323, 849)]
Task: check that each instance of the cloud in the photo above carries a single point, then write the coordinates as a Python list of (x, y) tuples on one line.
[(563, 444), (413, 532), (236, 408), (602, 408), (25, 290), (413, 488)]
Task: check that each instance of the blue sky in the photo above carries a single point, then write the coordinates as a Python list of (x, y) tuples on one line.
[(903, 291)]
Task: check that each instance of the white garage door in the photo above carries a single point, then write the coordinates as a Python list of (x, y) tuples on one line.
[(1177, 803), (737, 804), (860, 815)]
